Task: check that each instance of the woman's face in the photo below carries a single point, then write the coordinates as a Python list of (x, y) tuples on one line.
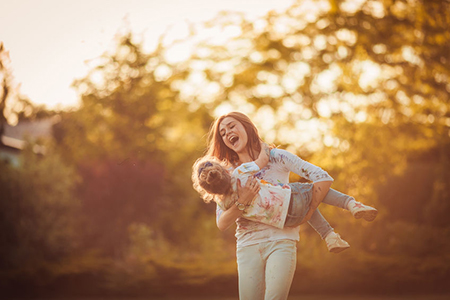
[(233, 134)]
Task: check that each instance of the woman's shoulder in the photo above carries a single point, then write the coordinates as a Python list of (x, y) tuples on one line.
[(280, 155), (278, 151)]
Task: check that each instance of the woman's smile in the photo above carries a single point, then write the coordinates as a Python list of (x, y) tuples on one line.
[(233, 134), (234, 139)]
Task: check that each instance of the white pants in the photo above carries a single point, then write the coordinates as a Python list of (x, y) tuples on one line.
[(266, 270)]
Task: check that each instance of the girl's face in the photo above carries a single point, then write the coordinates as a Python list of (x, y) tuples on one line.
[(233, 134)]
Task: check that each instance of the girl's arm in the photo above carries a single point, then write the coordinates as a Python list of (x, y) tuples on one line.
[(256, 165), (246, 194)]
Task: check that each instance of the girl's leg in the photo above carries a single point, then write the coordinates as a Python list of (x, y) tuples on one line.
[(301, 195), (320, 224), (300, 201), (347, 202), (251, 266), (338, 199), (333, 240)]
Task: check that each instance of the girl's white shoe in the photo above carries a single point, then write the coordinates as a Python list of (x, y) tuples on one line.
[(335, 243), (360, 210)]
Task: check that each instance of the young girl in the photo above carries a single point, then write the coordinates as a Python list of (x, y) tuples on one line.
[(280, 205)]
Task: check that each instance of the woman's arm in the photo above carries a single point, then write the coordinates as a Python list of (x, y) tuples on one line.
[(320, 190), (295, 164), (322, 181), (246, 194)]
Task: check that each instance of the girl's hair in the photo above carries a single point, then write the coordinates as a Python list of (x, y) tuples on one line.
[(216, 146), (210, 178)]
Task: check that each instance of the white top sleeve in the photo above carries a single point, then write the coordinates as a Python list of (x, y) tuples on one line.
[(295, 164)]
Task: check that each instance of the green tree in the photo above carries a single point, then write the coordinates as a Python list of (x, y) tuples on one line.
[(13, 105), (38, 213), (369, 80), (4, 87), (133, 141)]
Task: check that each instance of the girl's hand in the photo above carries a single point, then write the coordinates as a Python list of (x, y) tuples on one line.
[(248, 192)]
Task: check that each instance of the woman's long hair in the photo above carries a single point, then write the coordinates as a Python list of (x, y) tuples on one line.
[(217, 148)]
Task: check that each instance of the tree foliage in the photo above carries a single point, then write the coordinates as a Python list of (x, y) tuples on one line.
[(359, 87), (13, 105), (38, 210), (130, 144)]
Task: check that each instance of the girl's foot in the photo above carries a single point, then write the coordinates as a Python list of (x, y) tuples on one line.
[(360, 210), (335, 243)]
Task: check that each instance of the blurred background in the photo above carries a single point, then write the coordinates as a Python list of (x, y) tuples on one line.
[(96, 198)]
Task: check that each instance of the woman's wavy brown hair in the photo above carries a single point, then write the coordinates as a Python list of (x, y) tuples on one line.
[(218, 149)]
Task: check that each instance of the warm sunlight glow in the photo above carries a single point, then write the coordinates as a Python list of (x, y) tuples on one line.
[(179, 52), (369, 74), (49, 46)]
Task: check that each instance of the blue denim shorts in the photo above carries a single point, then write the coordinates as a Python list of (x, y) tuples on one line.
[(301, 196)]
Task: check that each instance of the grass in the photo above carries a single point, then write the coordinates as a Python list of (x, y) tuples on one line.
[(306, 297)]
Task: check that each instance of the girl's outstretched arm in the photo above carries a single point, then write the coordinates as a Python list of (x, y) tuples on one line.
[(246, 194)]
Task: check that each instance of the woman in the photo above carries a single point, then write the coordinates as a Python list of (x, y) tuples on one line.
[(266, 255)]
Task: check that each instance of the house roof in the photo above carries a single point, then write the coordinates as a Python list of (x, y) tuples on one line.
[(12, 142), (30, 129), (14, 137)]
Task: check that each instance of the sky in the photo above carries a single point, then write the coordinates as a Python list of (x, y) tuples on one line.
[(51, 41)]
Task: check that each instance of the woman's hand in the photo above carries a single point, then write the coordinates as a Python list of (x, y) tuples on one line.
[(248, 192), (320, 190), (307, 216)]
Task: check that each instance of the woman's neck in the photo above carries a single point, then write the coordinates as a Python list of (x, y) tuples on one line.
[(245, 157)]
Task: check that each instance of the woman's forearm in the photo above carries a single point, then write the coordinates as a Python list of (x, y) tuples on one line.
[(228, 217), (246, 194), (320, 190)]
